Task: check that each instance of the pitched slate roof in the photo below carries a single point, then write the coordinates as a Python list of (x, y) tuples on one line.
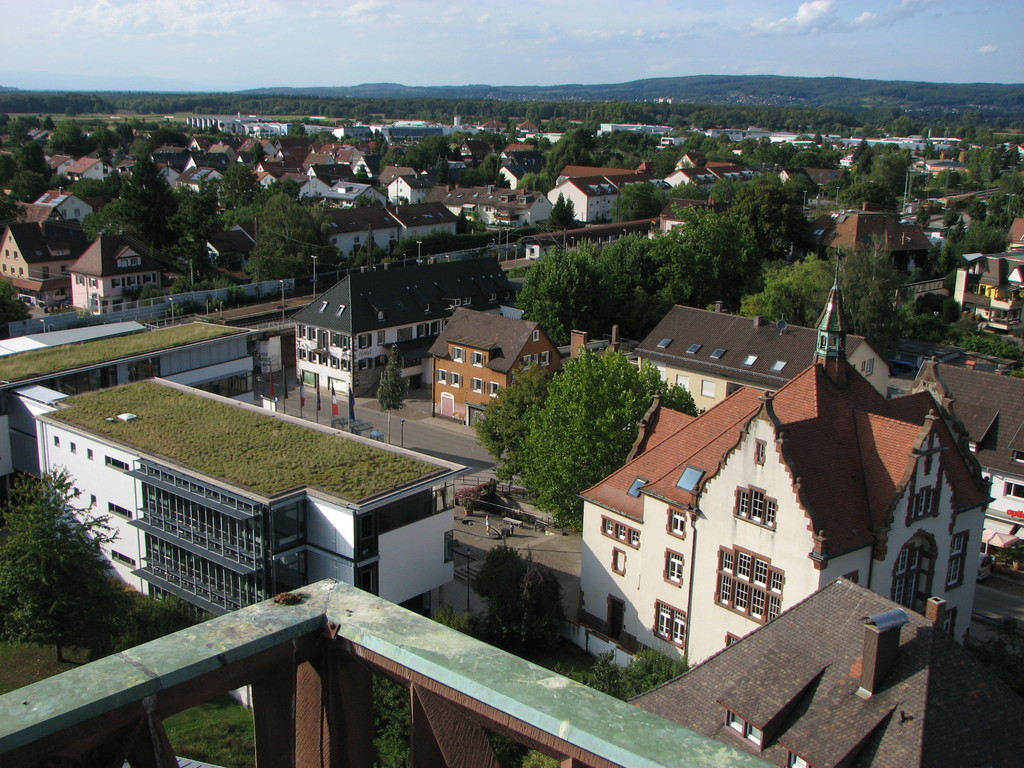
[(988, 407), (406, 294), (740, 338), (936, 706), (821, 426), (40, 242), (850, 229), (345, 220), (422, 215), (100, 258), (503, 336)]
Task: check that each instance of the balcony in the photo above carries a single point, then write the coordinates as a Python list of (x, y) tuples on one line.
[(311, 665)]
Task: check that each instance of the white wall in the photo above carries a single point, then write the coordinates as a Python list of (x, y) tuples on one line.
[(412, 558)]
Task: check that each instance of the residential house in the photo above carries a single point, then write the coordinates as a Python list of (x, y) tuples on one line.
[(112, 269), (195, 177), (474, 151), (477, 355), (343, 338), (848, 678), (351, 193), (594, 197), (1016, 235), (354, 229), (412, 188), (721, 522), (231, 249), (516, 163), (57, 204), (712, 354), (197, 517), (906, 244), (87, 168), (37, 257), (670, 216), (986, 410), (537, 246), (586, 171), (992, 288), (52, 366), (419, 221), (494, 206)]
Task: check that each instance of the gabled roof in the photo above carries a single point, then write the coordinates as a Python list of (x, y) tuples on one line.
[(101, 257), (741, 338), (820, 425), (804, 668), (987, 406), (850, 229), (406, 295), (41, 242), (422, 215), (503, 337), (1017, 231), (347, 220)]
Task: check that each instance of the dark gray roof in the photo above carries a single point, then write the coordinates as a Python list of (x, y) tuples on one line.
[(504, 337), (345, 220), (407, 295), (936, 706), (39, 241), (740, 338)]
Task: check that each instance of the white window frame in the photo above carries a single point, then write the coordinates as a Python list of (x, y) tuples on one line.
[(707, 388)]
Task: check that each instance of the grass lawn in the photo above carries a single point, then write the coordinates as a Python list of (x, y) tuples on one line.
[(219, 731)]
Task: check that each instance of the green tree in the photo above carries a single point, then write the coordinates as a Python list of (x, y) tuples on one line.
[(585, 429), (794, 292), (523, 599), (563, 213), (67, 138), (639, 201), (392, 387), (647, 670), (238, 187), (11, 307), (875, 195), (561, 292), (147, 204), (871, 285), (774, 217), (55, 585), (505, 425)]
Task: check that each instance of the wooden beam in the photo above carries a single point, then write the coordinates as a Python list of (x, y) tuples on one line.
[(273, 700), (461, 741)]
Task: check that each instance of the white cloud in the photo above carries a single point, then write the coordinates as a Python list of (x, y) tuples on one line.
[(988, 48), (810, 16)]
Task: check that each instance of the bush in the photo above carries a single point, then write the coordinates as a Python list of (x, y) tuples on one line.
[(471, 496)]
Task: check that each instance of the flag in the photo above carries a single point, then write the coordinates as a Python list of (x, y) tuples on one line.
[(334, 401), (302, 394), (351, 404)]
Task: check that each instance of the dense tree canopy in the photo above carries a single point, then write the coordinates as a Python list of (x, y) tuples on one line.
[(505, 425)]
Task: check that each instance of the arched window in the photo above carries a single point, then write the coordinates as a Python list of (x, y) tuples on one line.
[(912, 573)]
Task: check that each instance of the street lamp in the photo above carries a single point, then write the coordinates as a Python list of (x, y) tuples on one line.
[(282, 301), (172, 310), (314, 273), (419, 250), (466, 554), (401, 433)]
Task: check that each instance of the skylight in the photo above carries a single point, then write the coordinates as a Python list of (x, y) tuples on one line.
[(664, 343), (717, 354), (323, 305), (693, 349), (750, 359), (778, 365), (634, 489), (341, 309), (690, 478)]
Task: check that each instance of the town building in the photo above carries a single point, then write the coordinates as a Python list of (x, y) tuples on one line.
[(343, 339), (991, 287), (719, 523), (225, 504), (352, 230), (56, 365), (593, 197), (494, 206), (477, 355), (906, 244), (56, 204), (112, 270), (712, 354), (848, 678), (37, 256), (986, 411)]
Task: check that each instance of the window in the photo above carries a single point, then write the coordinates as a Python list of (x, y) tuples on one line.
[(670, 623), (749, 585), (74, 447), (795, 761), (778, 365), (492, 388), (545, 358), (114, 509), (442, 376), (89, 454), (753, 505), (618, 561), (677, 523), (382, 337), (56, 441), (478, 385), (624, 533), (110, 461), (323, 305), (456, 379), (867, 367), (673, 567), (365, 340), (760, 449), (478, 358), (949, 621), (115, 555), (1014, 489), (923, 504), (693, 349), (957, 559), (750, 359), (536, 335), (912, 573), (707, 388), (458, 354), (683, 381), (717, 354)]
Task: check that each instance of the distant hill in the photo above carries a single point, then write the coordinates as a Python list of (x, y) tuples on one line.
[(842, 93)]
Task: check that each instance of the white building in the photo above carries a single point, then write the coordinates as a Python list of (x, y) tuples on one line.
[(722, 521)]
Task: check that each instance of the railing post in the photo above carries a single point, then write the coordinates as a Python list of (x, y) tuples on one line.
[(273, 704)]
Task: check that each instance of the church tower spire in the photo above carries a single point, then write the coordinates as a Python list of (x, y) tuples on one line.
[(831, 346)]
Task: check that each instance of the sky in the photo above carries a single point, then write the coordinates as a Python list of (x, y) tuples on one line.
[(227, 45)]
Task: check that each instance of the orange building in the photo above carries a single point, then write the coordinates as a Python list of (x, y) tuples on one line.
[(477, 355)]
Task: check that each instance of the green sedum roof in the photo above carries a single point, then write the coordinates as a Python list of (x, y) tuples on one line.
[(246, 448), (39, 362)]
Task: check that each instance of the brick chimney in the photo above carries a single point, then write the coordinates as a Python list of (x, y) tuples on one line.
[(759, 320), (614, 343), (719, 305), (935, 611), (881, 646), (577, 341)]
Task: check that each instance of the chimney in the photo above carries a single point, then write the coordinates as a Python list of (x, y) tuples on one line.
[(577, 341), (719, 305), (614, 343), (759, 321), (881, 646), (972, 364), (935, 611), (864, 206)]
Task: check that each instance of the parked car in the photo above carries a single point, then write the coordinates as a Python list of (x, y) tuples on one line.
[(984, 566)]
